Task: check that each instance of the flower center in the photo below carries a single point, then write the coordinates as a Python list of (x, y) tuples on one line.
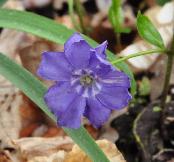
[(86, 80)]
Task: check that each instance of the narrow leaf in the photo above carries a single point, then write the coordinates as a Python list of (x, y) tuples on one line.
[(50, 30), (35, 90), (148, 31)]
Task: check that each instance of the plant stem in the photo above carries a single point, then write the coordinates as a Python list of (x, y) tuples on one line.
[(71, 13), (118, 39), (80, 10), (138, 54), (167, 80), (170, 58), (169, 65)]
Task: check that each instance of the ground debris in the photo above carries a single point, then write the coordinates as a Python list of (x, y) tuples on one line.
[(111, 151), (36, 149)]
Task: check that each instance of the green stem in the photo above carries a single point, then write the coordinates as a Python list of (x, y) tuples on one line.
[(80, 10), (170, 58), (169, 65), (118, 39), (71, 13), (138, 54)]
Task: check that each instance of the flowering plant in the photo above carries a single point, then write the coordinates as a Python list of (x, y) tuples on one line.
[(86, 83)]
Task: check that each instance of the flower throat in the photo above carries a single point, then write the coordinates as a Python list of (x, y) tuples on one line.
[(86, 80)]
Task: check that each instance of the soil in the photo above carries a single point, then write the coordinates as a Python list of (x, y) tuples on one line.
[(140, 136)]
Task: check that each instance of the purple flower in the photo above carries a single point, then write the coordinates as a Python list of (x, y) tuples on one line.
[(86, 84)]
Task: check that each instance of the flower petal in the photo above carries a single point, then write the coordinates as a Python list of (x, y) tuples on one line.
[(78, 55), (67, 106), (115, 78), (101, 49), (76, 37), (59, 96), (54, 66), (108, 74), (98, 64), (96, 112), (72, 117), (114, 97)]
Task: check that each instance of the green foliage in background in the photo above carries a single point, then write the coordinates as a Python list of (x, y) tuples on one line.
[(144, 88), (116, 17), (2, 2), (148, 31), (162, 2)]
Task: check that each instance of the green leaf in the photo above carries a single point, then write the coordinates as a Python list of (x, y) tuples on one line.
[(156, 109), (2, 2), (162, 2), (145, 87), (116, 17), (35, 90), (50, 30), (72, 15), (148, 31), (35, 24)]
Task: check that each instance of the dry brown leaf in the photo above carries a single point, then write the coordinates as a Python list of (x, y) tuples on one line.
[(4, 157), (42, 148), (10, 123), (30, 113), (77, 155), (55, 157), (31, 53), (9, 47), (92, 131), (66, 20), (14, 4), (53, 131), (7, 156), (32, 119), (10, 99)]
